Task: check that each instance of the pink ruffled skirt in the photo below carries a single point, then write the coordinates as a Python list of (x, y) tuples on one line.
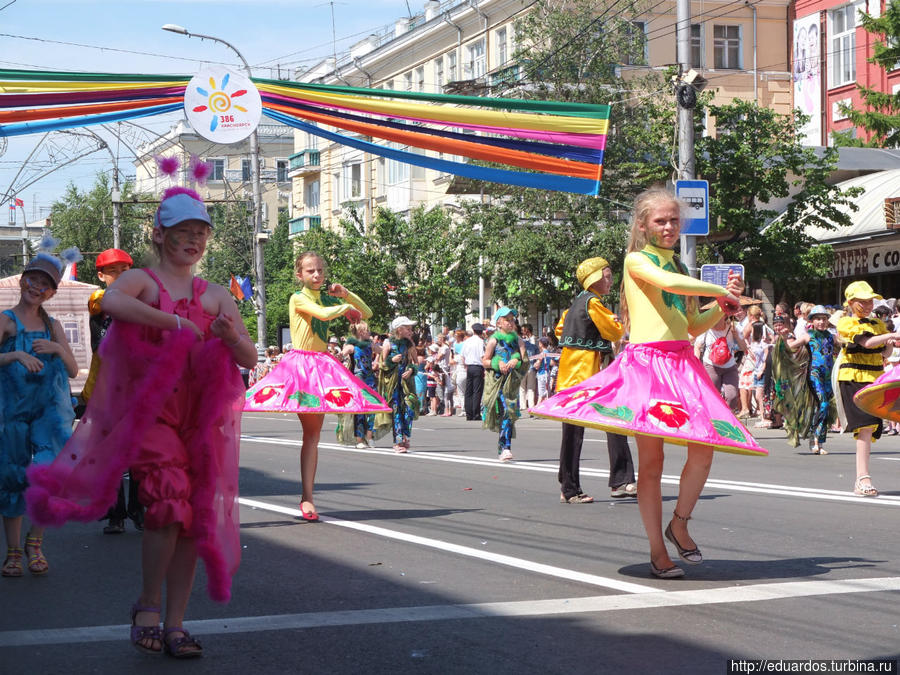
[(654, 389), (882, 397), (315, 383)]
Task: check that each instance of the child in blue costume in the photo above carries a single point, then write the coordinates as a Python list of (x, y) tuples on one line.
[(359, 349), (36, 411), (396, 384), (821, 350), (506, 362)]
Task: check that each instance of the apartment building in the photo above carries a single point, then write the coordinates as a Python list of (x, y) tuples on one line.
[(230, 176), (464, 46), (830, 57)]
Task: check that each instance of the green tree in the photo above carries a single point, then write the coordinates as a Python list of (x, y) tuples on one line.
[(281, 283), (418, 265), (756, 158), (84, 219), (587, 51), (530, 258), (230, 251), (581, 51), (880, 115)]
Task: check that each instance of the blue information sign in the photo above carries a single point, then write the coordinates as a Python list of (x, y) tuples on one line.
[(694, 193), (718, 274)]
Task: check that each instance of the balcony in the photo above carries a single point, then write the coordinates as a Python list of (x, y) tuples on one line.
[(504, 77), (303, 162), (303, 224), (236, 176)]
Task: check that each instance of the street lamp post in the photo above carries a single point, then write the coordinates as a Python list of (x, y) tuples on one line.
[(258, 236)]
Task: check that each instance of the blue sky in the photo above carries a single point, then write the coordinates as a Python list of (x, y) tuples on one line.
[(268, 33)]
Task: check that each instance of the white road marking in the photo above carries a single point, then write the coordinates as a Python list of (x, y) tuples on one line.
[(527, 608), (498, 558), (716, 483)]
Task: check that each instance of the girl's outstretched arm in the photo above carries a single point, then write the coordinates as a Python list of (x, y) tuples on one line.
[(230, 328), (121, 302)]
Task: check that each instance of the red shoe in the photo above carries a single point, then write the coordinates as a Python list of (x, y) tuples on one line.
[(311, 516)]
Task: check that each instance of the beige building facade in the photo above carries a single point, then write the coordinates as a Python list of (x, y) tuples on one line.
[(467, 47), (229, 179)]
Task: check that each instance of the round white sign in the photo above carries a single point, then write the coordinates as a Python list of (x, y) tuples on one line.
[(221, 105)]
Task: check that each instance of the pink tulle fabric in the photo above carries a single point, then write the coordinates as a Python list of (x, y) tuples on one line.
[(312, 382), (882, 397), (196, 390), (654, 389)]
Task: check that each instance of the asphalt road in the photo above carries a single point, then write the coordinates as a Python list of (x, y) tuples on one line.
[(446, 561)]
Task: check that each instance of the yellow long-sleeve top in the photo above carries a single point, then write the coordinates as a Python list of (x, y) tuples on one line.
[(576, 365), (656, 291), (855, 362), (310, 312)]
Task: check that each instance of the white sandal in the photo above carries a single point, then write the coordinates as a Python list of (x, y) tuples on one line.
[(864, 490)]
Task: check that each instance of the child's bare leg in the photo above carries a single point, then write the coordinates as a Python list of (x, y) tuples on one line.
[(179, 582), (650, 468), (863, 450), (745, 401), (760, 402), (693, 478), (157, 551), (309, 457), (12, 529)]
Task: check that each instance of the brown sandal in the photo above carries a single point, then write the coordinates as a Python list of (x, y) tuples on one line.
[(37, 563), (12, 566)]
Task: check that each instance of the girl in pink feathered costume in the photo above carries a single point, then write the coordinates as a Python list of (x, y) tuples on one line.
[(166, 405)]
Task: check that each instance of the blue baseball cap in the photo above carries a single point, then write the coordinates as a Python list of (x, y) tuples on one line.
[(503, 311), (180, 208)]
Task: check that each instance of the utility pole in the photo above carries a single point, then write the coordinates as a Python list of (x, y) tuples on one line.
[(685, 94)]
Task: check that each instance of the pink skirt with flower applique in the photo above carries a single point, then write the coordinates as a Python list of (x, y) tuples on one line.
[(312, 383), (654, 389)]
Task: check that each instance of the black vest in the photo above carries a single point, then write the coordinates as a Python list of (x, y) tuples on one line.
[(579, 331)]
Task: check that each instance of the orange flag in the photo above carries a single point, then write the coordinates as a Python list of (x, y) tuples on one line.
[(235, 288)]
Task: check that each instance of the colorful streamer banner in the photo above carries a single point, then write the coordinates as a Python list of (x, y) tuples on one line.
[(550, 145)]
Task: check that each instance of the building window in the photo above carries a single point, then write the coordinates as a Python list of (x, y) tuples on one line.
[(420, 78), (502, 53), (70, 328), (311, 197), (397, 172), (451, 67), (281, 170), (352, 181), (638, 47), (217, 169), (475, 60), (842, 57), (407, 81), (245, 170), (727, 47), (697, 51), (439, 74)]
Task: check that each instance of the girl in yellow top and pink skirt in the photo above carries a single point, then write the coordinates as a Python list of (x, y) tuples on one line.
[(308, 380), (657, 390)]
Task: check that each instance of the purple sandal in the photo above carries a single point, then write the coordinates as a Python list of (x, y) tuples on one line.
[(141, 633), (184, 647)]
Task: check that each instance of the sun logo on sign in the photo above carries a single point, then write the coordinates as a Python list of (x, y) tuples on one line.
[(219, 102)]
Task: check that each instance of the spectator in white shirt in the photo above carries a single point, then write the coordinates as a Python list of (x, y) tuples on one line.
[(472, 352)]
